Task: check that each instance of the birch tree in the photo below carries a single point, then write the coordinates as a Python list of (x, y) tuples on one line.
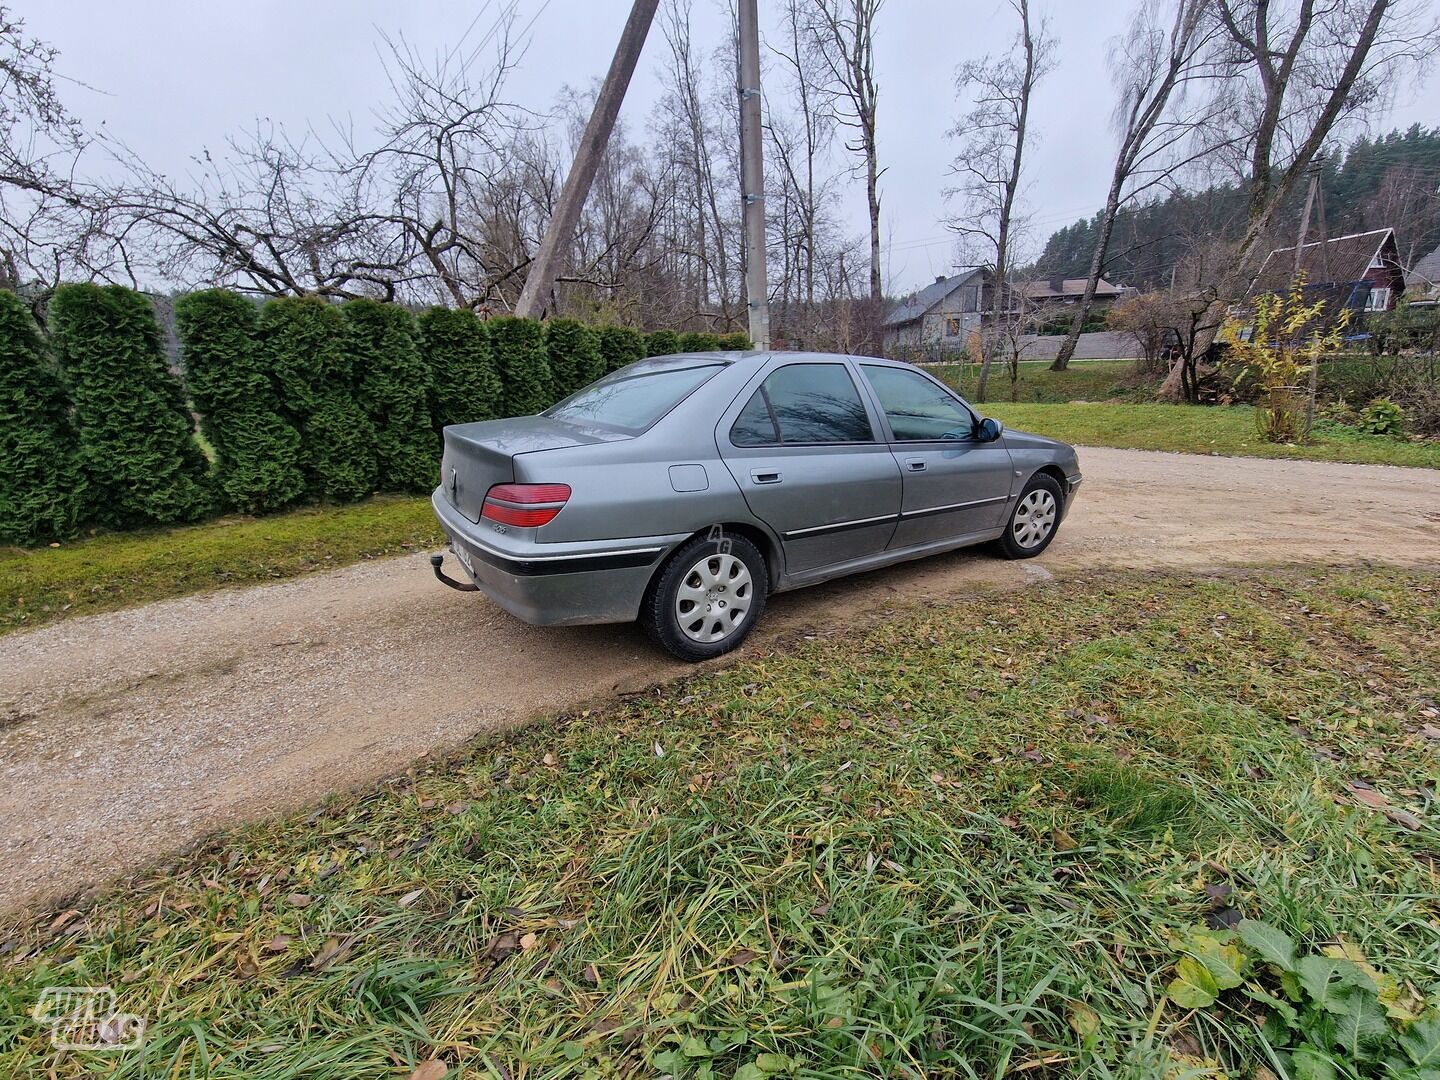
[(992, 136)]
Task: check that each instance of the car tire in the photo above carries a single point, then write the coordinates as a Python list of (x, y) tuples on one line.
[(1034, 520), (689, 609)]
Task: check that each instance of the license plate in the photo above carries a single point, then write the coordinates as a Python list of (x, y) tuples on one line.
[(464, 557)]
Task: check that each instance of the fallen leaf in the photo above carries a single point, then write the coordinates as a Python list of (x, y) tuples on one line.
[(1063, 840), (335, 949), (741, 957), (504, 945), (1403, 817), (550, 760), (592, 975), (434, 1069), (457, 807), (528, 942), (410, 897), (278, 943), (298, 899), (63, 918)]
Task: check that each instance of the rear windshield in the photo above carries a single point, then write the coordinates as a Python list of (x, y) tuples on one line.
[(631, 402)]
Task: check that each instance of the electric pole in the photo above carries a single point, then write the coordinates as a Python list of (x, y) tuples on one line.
[(535, 297), (752, 176), (1315, 193)]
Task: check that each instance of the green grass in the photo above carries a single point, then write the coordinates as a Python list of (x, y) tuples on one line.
[(1228, 430), (961, 844), (114, 570), (1087, 380)]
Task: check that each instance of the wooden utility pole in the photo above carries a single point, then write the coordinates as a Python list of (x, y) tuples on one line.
[(752, 176), (1315, 193), (536, 295)]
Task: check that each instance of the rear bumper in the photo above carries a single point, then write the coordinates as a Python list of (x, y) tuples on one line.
[(554, 584)]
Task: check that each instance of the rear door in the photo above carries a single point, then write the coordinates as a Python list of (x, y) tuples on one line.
[(803, 444), (954, 483)]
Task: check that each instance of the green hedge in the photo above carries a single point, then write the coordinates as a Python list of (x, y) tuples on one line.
[(662, 343), (138, 451), (523, 363), (303, 348), (41, 490), (573, 350), (257, 451), (393, 387), (296, 398), (464, 386), (620, 345)]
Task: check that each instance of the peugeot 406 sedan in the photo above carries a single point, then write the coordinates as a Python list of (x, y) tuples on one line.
[(683, 490)]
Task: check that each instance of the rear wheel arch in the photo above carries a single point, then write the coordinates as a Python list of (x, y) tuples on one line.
[(766, 544)]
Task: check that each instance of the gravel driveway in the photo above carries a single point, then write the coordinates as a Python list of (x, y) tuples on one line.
[(127, 736)]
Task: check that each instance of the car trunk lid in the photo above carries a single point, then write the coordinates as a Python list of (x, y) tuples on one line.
[(479, 456)]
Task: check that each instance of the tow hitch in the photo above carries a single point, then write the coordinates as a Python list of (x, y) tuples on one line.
[(436, 561)]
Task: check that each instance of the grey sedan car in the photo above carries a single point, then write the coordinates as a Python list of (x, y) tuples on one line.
[(684, 490)]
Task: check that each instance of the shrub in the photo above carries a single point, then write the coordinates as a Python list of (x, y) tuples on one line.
[(257, 452), (662, 343), (302, 350), (41, 491), (621, 345), (1287, 336), (393, 387), (699, 342), (574, 352), (738, 341), (1382, 417), (523, 365), (137, 447), (463, 385)]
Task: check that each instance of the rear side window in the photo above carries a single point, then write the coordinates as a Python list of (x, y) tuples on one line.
[(804, 404), (632, 403), (917, 409)]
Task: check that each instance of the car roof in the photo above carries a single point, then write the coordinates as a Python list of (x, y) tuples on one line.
[(752, 357)]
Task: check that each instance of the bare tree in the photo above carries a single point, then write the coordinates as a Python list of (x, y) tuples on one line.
[(1299, 72), (1148, 66), (845, 32), (53, 222), (990, 163)]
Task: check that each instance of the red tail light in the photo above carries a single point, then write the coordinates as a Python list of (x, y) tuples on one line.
[(525, 505)]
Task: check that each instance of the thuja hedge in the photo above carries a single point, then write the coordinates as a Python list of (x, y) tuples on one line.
[(138, 453), (41, 492), (257, 449), (296, 399)]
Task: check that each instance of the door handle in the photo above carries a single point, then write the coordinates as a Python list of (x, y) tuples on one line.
[(765, 476), (915, 464)]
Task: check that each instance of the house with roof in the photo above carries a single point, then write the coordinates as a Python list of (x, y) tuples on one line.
[(1422, 281), (939, 317), (943, 316), (1360, 272), (1063, 292)]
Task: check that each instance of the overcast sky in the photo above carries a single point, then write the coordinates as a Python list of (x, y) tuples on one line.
[(171, 77)]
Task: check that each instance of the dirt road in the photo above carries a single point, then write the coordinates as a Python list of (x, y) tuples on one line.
[(127, 736)]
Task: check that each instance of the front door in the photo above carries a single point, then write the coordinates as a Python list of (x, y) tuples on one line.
[(954, 483), (804, 451)]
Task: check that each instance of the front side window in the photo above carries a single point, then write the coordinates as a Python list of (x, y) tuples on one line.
[(803, 404), (917, 409), (632, 402), (1378, 300)]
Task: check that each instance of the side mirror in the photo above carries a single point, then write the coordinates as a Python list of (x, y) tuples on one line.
[(989, 429)]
